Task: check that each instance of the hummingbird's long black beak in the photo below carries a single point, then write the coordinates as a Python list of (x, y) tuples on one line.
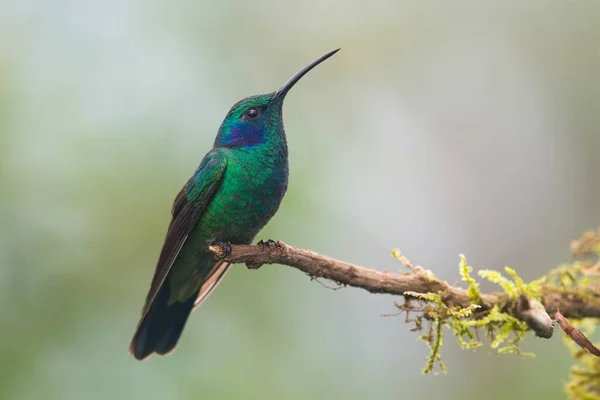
[(282, 91)]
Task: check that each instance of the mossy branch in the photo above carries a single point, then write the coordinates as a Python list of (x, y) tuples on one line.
[(505, 316), (571, 302)]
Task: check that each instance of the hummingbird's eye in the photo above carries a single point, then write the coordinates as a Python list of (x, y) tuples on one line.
[(252, 113)]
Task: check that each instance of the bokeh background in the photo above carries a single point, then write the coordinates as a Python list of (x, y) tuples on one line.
[(440, 128)]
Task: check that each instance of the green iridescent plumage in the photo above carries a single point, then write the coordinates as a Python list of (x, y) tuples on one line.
[(235, 191)]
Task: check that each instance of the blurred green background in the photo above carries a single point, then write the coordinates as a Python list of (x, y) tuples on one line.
[(440, 128)]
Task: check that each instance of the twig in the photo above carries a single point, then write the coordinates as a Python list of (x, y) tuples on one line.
[(576, 335)]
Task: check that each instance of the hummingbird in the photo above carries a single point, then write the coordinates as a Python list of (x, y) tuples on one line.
[(234, 192)]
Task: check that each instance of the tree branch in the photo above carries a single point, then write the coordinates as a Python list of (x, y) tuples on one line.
[(572, 304)]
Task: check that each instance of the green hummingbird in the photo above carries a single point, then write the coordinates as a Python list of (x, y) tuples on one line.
[(231, 196)]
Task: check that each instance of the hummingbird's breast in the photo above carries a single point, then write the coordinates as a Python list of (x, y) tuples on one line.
[(249, 196)]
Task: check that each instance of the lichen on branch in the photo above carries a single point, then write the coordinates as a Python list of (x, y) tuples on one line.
[(504, 316), (503, 329)]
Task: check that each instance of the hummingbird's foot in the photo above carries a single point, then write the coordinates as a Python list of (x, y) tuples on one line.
[(221, 249), (270, 244)]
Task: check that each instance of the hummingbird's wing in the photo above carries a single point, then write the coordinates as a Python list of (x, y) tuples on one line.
[(188, 207)]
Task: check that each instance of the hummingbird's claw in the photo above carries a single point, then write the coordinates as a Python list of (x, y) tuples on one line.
[(270, 243)]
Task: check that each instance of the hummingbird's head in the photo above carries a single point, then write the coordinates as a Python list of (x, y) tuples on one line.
[(249, 122), (255, 119)]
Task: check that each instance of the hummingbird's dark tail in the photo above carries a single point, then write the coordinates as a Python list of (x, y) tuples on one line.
[(161, 327)]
